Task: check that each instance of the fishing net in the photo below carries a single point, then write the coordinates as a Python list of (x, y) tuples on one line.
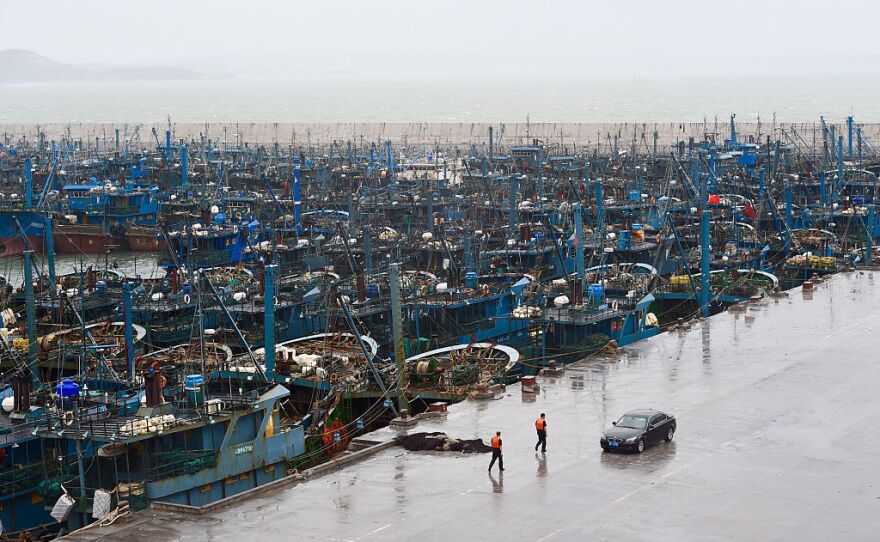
[(441, 442)]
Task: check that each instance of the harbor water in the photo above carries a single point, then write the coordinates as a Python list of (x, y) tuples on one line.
[(131, 264)]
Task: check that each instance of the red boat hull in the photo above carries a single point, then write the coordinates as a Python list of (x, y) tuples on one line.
[(142, 240), (86, 240), (14, 246)]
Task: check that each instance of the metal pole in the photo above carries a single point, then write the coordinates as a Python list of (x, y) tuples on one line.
[(389, 161), (470, 270), (600, 222), (733, 144), (839, 164), (705, 218), (28, 185), (491, 143), (269, 319), (511, 200), (82, 473), (397, 332), (50, 254), (705, 294), (712, 167), (430, 211), (579, 253), (184, 166), (787, 220), (760, 195), (297, 204), (31, 313), (541, 186), (849, 130), (129, 339), (587, 178)]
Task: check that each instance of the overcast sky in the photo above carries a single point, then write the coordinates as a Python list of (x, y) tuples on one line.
[(452, 36)]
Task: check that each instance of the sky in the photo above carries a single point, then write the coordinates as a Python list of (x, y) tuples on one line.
[(453, 37)]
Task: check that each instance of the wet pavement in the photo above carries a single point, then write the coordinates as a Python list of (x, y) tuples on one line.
[(777, 406)]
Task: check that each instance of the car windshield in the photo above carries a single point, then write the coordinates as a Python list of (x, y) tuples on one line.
[(633, 422)]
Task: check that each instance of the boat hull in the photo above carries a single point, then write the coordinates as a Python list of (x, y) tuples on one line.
[(86, 240), (14, 246), (12, 221), (142, 239)]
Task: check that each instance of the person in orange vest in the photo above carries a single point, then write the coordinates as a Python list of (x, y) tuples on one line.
[(541, 427), (496, 452)]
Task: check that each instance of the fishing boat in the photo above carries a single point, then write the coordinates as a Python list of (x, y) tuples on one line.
[(454, 372), (97, 215)]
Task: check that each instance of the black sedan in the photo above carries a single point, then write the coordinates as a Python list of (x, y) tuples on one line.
[(638, 429)]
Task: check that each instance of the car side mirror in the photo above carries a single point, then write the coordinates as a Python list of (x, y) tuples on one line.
[(651, 427), (614, 423)]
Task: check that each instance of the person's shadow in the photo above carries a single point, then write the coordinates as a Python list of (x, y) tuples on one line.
[(497, 485), (542, 464)]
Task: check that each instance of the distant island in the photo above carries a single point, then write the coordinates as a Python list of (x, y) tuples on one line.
[(22, 66)]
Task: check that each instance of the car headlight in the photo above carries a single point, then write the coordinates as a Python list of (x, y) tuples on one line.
[(633, 439)]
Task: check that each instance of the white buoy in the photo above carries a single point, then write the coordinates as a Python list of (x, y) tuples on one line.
[(561, 301)]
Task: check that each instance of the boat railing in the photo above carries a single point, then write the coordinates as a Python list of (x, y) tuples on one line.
[(581, 316), (27, 477), (178, 463)]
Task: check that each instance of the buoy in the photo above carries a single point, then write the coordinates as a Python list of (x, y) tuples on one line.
[(186, 298)]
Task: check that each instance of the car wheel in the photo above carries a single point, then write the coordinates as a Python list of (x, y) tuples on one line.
[(670, 433), (641, 445)]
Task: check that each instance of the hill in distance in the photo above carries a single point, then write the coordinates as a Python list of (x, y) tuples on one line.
[(21, 66)]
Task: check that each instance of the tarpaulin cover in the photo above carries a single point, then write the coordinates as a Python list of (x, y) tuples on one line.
[(441, 442)]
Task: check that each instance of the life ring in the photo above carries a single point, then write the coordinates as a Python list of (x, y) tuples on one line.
[(186, 298), (162, 381), (238, 215), (614, 305)]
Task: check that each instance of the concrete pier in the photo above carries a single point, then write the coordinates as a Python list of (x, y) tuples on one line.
[(777, 408)]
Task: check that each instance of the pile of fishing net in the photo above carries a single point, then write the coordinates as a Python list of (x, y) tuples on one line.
[(442, 443)]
